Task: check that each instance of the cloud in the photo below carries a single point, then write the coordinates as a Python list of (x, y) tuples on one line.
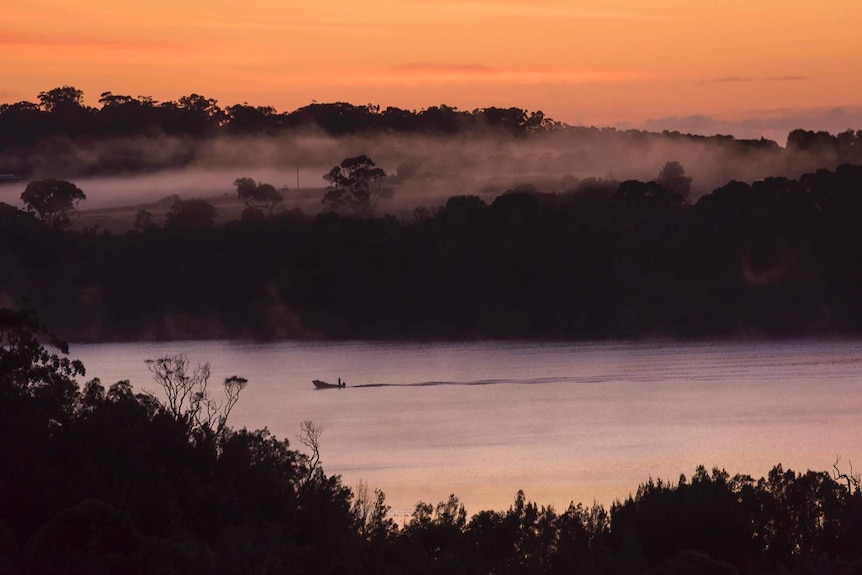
[(742, 79), (771, 124), (789, 78), (441, 74), (733, 79), (445, 68)]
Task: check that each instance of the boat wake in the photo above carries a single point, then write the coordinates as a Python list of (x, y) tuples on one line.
[(532, 381)]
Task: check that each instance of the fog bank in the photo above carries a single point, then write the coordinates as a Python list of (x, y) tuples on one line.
[(423, 169)]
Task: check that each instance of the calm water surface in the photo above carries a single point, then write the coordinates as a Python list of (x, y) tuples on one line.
[(562, 421)]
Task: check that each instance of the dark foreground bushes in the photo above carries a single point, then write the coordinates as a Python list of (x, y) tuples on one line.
[(103, 480)]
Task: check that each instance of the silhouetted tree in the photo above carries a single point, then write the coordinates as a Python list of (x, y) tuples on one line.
[(511, 120), (111, 100), (26, 365), (186, 396), (125, 116), (808, 140), (246, 119), (52, 200), (144, 220), (444, 119), (354, 185), (310, 437), (191, 214), (60, 99), (335, 119), (257, 195), (853, 479), (672, 178), (199, 114), (372, 514)]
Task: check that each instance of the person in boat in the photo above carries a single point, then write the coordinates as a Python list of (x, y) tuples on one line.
[(341, 383)]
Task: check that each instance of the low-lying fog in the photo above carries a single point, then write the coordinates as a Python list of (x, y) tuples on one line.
[(425, 170)]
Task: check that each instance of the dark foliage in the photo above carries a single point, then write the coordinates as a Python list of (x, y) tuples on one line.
[(257, 196), (778, 257), (354, 186), (46, 138), (52, 200), (106, 481), (194, 214)]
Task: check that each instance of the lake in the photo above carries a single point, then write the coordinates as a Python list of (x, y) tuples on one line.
[(562, 421)]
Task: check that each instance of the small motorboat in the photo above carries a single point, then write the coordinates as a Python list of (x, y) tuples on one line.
[(318, 384)]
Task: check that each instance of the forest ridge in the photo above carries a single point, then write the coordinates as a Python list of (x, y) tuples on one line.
[(59, 136), (606, 259), (564, 257)]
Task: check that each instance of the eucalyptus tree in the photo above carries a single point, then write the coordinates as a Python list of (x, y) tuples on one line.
[(52, 200), (354, 185)]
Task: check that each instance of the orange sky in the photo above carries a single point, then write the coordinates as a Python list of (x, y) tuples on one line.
[(598, 62)]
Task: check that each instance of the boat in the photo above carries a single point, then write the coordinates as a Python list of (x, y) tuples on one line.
[(318, 384)]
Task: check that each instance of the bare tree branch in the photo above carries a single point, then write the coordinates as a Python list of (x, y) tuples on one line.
[(233, 385), (186, 394), (310, 437), (854, 480)]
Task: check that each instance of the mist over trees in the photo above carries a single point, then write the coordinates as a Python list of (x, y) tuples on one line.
[(606, 259), (257, 196), (541, 250), (59, 136), (354, 186)]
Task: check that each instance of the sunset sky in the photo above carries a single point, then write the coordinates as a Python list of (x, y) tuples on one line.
[(601, 62)]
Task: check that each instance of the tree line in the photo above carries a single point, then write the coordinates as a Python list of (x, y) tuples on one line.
[(606, 259), (62, 110), (101, 479), (32, 132), (46, 138)]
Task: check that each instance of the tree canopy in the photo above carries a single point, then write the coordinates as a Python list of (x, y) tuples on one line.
[(97, 479), (673, 178), (135, 134), (354, 185), (191, 214), (257, 195), (52, 200)]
